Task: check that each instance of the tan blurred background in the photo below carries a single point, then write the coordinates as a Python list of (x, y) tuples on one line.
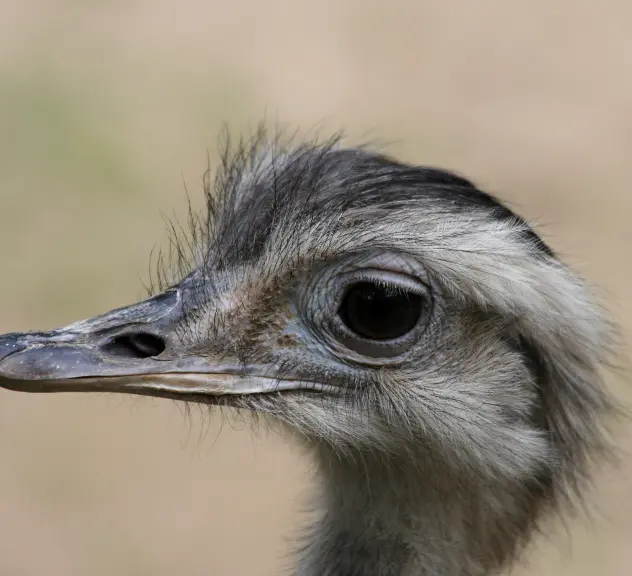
[(108, 108)]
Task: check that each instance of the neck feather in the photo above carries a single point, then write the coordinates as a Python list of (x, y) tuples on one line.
[(389, 518)]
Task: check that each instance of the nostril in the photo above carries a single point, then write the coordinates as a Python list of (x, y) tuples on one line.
[(138, 345)]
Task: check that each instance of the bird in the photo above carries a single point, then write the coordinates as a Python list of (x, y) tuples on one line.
[(437, 358)]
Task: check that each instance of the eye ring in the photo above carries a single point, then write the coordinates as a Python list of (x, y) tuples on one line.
[(393, 340)]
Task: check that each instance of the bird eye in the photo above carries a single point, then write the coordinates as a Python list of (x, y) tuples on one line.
[(380, 311)]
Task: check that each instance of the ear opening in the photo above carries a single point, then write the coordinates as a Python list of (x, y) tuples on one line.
[(575, 410)]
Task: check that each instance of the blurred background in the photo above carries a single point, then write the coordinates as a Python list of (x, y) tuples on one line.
[(108, 110)]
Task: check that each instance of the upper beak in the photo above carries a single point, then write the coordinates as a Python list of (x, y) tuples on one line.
[(134, 350)]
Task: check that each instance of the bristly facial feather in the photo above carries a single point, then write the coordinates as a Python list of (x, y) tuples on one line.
[(488, 418)]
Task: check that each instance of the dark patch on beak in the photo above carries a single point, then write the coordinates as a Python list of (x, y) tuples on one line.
[(132, 350)]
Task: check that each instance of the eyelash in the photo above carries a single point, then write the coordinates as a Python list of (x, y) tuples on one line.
[(404, 285)]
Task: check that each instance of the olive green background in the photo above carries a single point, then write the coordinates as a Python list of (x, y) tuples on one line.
[(109, 109)]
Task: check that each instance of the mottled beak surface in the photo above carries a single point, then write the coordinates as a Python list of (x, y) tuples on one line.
[(132, 350)]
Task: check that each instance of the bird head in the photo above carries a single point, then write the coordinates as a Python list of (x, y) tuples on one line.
[(371, 306)]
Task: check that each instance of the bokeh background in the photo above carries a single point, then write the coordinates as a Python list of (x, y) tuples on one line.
[(109, 109)]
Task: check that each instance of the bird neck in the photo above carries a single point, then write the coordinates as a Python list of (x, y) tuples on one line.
[(389, 519)]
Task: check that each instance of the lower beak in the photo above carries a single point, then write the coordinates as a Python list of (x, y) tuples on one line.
[(132, 350)]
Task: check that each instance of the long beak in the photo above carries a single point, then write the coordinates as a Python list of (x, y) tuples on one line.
[(133, 350)]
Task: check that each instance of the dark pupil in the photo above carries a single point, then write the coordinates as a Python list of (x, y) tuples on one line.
[(380, 312)]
